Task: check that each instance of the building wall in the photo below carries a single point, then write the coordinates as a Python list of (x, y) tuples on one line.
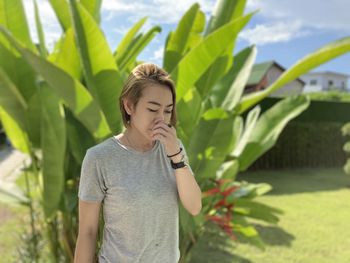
[(324, 81), (338, 81), (292, 88)]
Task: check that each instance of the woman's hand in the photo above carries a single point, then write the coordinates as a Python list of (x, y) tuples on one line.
[(167, 136)]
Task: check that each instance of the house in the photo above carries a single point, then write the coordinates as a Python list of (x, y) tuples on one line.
[(325, 81), (264, 74)]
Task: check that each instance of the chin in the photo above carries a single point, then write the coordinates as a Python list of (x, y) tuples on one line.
[(148, 136)]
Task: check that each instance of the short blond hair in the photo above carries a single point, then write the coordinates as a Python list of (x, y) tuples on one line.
[(140, 77)]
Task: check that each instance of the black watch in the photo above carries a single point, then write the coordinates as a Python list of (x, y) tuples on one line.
[(177, 165)]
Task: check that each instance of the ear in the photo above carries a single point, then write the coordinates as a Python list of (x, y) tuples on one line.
[(127, 106)]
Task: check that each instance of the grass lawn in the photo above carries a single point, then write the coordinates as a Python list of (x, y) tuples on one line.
[(315, 226), (11, 227)]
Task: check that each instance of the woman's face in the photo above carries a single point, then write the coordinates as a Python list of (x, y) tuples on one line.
[(155, 105)]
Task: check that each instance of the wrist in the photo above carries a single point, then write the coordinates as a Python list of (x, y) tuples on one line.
[(175, 152), (179, 164), (176, 158)]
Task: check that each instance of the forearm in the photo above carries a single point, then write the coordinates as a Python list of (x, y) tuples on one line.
[(188, 189), (85, 248)]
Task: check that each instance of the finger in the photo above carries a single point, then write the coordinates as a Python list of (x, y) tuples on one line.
[(167, 132), (160, 131), (158, 136), (163, 126), (166, 126)]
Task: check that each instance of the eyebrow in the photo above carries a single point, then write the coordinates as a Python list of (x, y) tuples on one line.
[(158, 104)]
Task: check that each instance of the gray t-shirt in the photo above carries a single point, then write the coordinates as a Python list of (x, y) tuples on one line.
[(140, 202)]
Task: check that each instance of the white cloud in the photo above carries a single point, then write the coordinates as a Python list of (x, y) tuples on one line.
[(263, 34), (282, 21), (119, 6), (122, 30), (303, 16), (321, 15), (158, 54), (159, 11), (51, 27)]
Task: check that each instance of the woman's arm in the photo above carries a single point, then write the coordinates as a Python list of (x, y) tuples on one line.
[(88, 228), (188, 189)]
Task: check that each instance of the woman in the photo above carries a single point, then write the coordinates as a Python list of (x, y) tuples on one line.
[(139, 176)]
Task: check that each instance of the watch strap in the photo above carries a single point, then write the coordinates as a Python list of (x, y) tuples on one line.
[(177, 165)]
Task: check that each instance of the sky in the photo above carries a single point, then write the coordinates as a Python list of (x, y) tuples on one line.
[(284, 31)]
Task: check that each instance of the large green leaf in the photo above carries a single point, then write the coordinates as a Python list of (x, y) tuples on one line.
[(246, 232), (207, 153), (74, 94), (303, 66), (228, 170), (189, 110), (53, 144), (256, 210), (12, 17), (125, 43), (198, 60), (20, 73), (66, 56), (22, 77), (186, 35), (93, 7), (241, 71), (249, 128), (224, 13), (135, 48), (18, 136), (61, 9), (229, 89), (101, 73), (33, 116), (39, 28), (16, 114), (79, 138), (12, 100), (269, 126)]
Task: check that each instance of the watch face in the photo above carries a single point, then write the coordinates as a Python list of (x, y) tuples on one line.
[(180, 164)]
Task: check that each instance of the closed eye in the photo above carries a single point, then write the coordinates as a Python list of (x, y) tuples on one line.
[(168, 112)]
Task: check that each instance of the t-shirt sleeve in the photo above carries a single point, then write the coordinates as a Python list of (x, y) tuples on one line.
[(186, 157), (91, 185)]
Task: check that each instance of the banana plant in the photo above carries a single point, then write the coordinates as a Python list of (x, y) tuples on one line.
[(54, 106), (221, 143)]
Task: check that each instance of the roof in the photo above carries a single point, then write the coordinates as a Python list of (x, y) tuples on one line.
[(260, 70), (328, 72)]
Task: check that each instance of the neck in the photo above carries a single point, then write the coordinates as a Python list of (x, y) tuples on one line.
[(137, 141)]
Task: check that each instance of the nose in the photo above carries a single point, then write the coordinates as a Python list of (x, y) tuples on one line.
[(160, 117)]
